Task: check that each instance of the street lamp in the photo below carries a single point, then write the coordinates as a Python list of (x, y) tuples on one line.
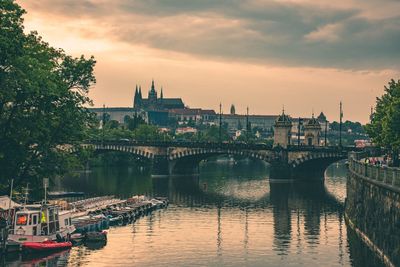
[(340, 124), (326, 131), (220, 122), (298, 131)]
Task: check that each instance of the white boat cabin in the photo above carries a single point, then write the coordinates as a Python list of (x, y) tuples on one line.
[(37, 223)]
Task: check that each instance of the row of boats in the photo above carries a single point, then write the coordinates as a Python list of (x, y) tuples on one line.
[(60, 225)]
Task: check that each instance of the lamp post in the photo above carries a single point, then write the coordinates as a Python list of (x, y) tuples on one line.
[(298, 131), (340, 124), (103, 124), (247, 125), (220, 122), (326, 131)]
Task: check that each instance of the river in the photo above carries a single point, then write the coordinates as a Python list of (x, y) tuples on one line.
[(231, 215)]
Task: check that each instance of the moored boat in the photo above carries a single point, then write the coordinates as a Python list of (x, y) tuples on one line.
[(45, 246), (96, 236), (38, 223)]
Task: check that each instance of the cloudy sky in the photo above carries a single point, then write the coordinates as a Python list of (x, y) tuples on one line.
[(306, 55)]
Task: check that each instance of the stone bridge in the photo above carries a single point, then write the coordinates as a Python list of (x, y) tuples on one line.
[(172, 158)]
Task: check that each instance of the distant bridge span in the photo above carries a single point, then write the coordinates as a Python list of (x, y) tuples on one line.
[(171, 158)]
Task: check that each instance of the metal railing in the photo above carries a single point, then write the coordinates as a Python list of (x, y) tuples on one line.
[(382, 174), (222, 145)]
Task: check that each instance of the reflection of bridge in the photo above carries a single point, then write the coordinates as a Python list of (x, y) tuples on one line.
[(171, 158)]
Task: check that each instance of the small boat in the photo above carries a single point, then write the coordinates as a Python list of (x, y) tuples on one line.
[(96, 236), (45, 246), (77, 238)]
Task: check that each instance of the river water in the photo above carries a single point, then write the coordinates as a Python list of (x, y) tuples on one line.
[(229, 216)]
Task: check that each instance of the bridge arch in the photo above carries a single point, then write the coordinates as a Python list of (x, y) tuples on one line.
[(313, 165), (188, 160), (141, 152)]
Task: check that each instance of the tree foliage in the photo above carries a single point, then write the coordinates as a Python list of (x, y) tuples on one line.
[(43, 94), (384, 127)]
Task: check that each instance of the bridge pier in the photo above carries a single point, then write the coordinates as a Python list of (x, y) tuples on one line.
[(280, 171), (160, 166)]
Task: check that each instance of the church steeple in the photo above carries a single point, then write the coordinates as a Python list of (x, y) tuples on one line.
[(161, 94), (136, 98), (152, 93)]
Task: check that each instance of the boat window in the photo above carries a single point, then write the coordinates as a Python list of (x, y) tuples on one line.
[(66, 221), (30, 219), (70, 221), (51, 215), (22, 219), (35, 219)]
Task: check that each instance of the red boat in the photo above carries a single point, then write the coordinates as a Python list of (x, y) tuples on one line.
[(46, 246)]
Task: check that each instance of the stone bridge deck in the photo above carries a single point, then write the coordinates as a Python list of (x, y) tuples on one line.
[(184, 157)]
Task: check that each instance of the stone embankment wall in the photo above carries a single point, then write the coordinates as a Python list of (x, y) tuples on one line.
[(373, 208)]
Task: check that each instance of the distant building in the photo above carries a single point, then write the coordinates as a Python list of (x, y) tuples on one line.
[(238, 122), (114, 113), (186, 130), (196, 115), (153, 109)]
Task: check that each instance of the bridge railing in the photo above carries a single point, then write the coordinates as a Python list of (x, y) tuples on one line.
[(385, 175), (188, 144), (222, 145)]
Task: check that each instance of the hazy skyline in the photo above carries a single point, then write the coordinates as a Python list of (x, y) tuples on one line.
[(256, 53)]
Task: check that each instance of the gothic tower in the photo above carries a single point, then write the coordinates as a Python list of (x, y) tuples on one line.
[(152, 94), (136, 101), (312, 132), (282, 130)]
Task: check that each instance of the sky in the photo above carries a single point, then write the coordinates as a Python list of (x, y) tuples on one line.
[(303, 55)]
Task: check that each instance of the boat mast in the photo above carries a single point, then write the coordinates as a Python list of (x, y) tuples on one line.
[(26, 193), (9, 202)]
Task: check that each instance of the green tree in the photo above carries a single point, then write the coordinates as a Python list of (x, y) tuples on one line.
[(112, 124), (43, 94), (147, 133), (384, 128)]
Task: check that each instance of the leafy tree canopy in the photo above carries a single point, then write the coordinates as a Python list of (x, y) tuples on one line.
[(43, 94), (384, 128)]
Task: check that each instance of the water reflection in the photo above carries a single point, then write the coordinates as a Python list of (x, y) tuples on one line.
[(231, 215)]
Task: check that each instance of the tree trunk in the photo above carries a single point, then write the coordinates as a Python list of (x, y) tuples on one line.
[(395, 157)]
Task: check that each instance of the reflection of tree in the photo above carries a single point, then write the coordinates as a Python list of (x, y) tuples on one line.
[(122, 182)]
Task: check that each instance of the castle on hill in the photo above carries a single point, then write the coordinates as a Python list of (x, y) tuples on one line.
[(153, 102)]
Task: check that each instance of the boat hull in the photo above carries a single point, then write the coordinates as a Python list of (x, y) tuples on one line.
[(45, 246)]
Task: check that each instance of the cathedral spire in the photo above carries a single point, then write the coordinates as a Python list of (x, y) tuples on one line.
[(161, 94), (136, 97)]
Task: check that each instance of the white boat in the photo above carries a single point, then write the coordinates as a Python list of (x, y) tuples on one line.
[(38, 223)]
